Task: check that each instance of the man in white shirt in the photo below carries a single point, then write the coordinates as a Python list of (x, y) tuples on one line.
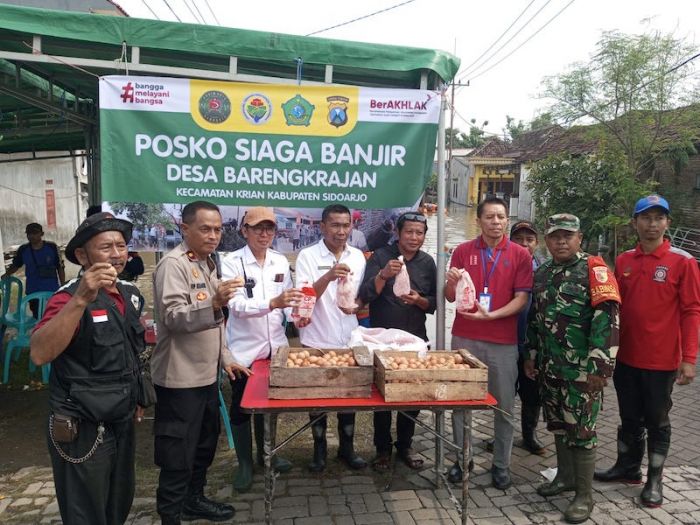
[(322, 265), (255, 328)]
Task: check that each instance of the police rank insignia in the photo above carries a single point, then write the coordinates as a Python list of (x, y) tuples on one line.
[(298, 111), (214, 106), (337, 110), (201, 296), (195, 273)]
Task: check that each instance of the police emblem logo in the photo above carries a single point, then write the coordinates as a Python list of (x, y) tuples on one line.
[(298, 111), (214, 106), (337, 110), (201, 296), (601, 274), (135, 302), (660, 274), (256, 108)]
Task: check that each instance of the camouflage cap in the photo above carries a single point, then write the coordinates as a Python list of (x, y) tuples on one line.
[(562, 221)]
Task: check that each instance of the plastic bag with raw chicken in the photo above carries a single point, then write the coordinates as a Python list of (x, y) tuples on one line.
[(465, 293), (402, 282), (345, 292)]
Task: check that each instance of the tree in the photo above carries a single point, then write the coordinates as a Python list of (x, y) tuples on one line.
[(629, 88), (455, 137), (514, 129), (597, 189), (143, 213)]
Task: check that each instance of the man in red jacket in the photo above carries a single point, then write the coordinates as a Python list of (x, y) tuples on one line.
[(659, 320)]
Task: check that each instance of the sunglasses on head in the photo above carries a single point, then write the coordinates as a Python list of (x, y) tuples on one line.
[(409, 216)]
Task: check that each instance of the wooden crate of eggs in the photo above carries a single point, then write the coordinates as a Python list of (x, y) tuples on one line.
[(312, 373), (438, 375)]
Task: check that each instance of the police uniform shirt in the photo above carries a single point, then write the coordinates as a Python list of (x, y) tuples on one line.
[(253, 329), (329, 327), (190, 345)]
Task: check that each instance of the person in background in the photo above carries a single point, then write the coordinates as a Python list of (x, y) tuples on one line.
[(572, 338), (407, 312), (357, 238), (256, 327), (44, 271), (321, 265), (502, 275), (524, 233), (91, 335), (185, 366), (660, 317)]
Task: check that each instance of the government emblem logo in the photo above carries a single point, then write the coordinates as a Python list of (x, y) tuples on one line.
[(337, 110), (298, 111), (256, 108), (601, 274), (660, 274), (214, 106)]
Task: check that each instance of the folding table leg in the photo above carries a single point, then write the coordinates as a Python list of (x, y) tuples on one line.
[(269, 474), (466, 447), (439, 446)]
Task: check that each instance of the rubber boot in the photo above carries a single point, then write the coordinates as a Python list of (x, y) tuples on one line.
[(346, 450), (564, 480), (279, 464), (584, 464), (658, 446), (242, 440), (529, 416), (318, 431), (627, 467)]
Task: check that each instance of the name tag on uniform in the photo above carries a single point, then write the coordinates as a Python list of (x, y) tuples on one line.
[(485, 301), (99, 316), (325, 267)]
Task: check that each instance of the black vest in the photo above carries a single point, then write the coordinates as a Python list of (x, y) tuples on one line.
[(95, 378)]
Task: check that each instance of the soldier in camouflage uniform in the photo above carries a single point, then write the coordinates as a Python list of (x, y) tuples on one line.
[(573, 331)]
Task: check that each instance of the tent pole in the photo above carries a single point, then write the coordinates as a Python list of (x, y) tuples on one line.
[(441, 255)]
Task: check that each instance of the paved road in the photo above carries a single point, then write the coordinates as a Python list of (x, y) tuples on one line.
[(403, 496)]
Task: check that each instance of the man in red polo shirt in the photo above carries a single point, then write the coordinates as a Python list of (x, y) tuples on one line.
[(659, 321), (502, 274)]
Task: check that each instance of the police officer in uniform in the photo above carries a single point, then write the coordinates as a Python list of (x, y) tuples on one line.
[(185, 367), (573, 335), (91, 335)]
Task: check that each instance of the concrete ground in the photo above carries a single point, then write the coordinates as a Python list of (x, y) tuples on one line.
[(401, 496)]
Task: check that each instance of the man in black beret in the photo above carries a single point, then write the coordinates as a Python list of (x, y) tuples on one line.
[(91, 335)]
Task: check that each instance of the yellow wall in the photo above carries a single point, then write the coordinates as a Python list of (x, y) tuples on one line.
[(479, 176)]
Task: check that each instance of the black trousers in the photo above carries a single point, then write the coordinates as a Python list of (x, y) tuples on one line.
[(186, 430), (237, 416), (100, 490), (644, 399), (405, 428), (527, 388)]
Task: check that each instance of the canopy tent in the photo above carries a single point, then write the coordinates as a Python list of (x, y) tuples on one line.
[(50, 62)]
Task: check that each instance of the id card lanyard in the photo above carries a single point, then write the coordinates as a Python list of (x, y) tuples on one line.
[(485, 296)]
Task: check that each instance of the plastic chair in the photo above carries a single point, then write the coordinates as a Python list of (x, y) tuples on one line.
[(224, 414), (24, 328), (9, 315)]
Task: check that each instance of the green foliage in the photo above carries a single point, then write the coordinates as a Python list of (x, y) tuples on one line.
[(143, 213), (514, 129), (598, 190), (627, 88)]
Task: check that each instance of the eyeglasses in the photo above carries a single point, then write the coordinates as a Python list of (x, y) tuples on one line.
[(410, 216), (260, 228)]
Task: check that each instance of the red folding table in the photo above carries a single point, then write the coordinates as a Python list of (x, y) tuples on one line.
[(256, 400)]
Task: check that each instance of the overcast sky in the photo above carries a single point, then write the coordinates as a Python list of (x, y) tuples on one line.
[(465, 28)]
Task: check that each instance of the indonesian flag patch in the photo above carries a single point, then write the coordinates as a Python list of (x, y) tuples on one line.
[(99, 316)]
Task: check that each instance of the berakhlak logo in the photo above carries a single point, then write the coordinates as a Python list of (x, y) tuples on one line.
[(660, 274), (298, 111), (214, 106), (256, 108), (337, 110), (127, 93)]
